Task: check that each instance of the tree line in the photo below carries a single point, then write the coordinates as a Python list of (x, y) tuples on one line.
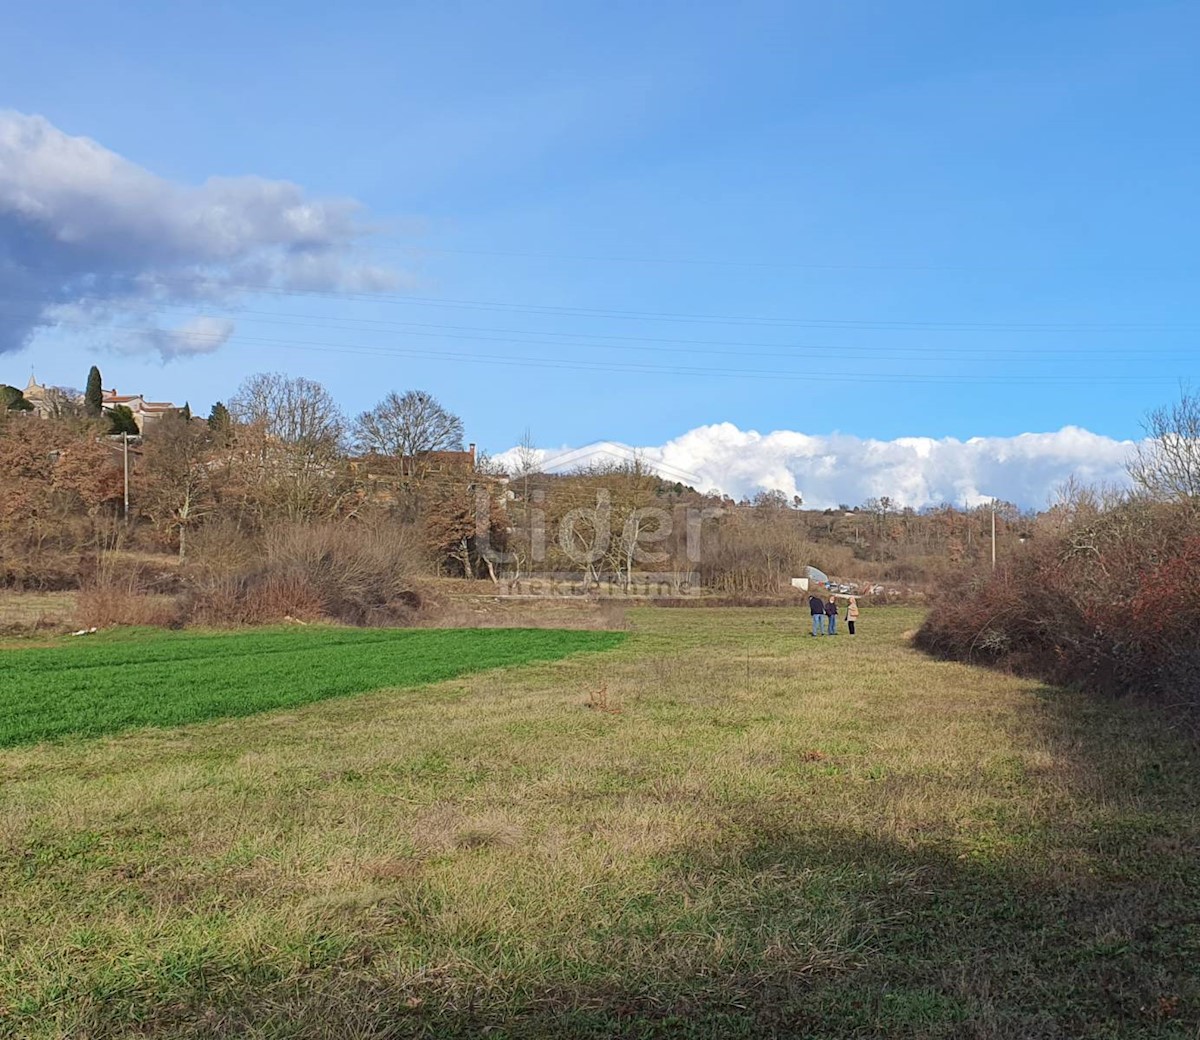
[(279, 454)]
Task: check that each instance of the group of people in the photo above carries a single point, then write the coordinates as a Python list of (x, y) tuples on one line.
[(827, 611)]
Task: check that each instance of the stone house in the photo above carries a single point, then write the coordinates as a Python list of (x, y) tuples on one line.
[(47, 403), (145, 413)]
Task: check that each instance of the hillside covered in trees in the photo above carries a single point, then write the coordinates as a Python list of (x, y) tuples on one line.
[(279, 504)]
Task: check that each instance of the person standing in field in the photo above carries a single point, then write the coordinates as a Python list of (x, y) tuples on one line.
[(851, 614), (831, 612), (817, 609)]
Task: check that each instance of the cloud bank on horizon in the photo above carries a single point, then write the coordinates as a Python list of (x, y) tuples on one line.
[(840, 469), (88, 237)]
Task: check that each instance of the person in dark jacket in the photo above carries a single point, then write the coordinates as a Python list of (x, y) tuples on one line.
[(817, 609), (831, 612)]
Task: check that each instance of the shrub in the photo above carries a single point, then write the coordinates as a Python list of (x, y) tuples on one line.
[(1111, 601), (256, 599), (122, 603), (359, 574)]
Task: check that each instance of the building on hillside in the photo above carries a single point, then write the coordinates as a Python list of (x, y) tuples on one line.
[(145, 413), (381, 479), (47, 401), (50, 403), (448, 461), (430, 462)]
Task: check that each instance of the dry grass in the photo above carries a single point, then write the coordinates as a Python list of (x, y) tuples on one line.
[(481, 611), (28, 612), (775, 836), (104, 606)]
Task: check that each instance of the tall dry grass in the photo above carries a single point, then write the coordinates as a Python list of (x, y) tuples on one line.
[(353, 573)]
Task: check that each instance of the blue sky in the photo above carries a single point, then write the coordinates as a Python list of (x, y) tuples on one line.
[(881, 220)]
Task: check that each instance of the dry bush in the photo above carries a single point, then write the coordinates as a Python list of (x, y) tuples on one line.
[(122, 603), (354, 573), (223, 547), (123, 589), (60, 492), (757, 553), (278, 597), (221, 570), (29, 565), (1111, 602), (217, 599), (53, 548), (256, 599), (360, 574)]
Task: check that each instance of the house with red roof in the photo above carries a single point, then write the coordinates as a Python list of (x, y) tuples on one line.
[(145, 413)]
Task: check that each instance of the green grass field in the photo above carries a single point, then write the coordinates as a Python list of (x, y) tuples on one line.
[(765, 835), (124, 680)]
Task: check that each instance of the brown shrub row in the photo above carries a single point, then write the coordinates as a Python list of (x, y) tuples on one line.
[(341, 572), (1112, 603)]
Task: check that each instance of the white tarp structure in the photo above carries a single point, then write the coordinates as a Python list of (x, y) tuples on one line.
[(800, 583)]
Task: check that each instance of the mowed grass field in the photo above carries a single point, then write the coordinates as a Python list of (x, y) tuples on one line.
[(764, 835)]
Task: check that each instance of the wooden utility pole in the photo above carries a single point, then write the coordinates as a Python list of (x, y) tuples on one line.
[(125, 453), (993, 534)]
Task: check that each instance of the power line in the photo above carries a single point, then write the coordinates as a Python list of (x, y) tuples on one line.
[(919, 353), (637, 368), (792, 265), (696, 346), (552, 310), (907, 352)]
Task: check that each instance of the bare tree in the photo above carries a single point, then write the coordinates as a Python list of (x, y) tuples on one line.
[(408, 426), (297, 412), (61, 402), (286, 452), (769, 500), (635, 518), (174, 480), (527, 463), (1167, 464)]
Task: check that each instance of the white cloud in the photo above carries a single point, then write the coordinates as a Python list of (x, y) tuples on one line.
[(82, 227), (912, 471), (200, 335)]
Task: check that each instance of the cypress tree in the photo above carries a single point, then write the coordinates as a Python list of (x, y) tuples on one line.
[(218, 417), (93, 396), (220, 422)]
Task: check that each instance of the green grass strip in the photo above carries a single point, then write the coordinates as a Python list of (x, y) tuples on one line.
[(167, 679)]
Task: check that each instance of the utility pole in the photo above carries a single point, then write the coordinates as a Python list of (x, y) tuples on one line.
[(125, 453), (993, 534)]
